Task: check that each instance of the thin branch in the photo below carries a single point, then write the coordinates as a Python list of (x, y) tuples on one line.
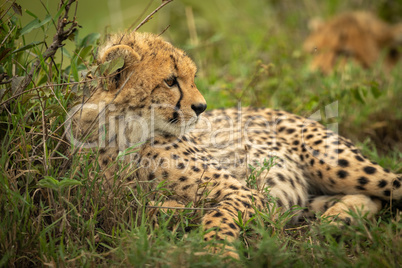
[(6, 82), (2, 16), (164, 30), (139, 17), (58, 40), (5, 38), (149, 17)]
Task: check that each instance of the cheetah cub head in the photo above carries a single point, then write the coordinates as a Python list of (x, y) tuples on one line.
[(152, 94)]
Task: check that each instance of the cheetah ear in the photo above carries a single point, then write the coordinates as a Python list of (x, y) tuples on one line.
[(116, 70), (315, 24)]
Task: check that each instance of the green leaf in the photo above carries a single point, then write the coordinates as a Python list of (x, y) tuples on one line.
[(112, 66), (30, 26), (74, 70), (30, 45), (31, 14), (358, 94), (68, 183), (375, 90), (89, 40), (34, 24), (115, 64), (83, 53), (49, 182)]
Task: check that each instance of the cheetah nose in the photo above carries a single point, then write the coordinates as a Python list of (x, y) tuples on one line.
[(199, 108)]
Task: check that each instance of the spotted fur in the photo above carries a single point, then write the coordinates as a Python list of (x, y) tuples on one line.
[(154, 105)]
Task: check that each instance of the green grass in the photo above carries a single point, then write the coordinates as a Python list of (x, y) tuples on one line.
[(53, 210)]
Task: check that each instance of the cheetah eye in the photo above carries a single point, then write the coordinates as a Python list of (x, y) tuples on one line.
[(170, 82)]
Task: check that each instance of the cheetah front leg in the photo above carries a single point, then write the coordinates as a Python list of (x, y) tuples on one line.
[(340, 206), (220, 224)]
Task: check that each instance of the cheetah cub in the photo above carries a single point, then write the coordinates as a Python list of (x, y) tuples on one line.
[(152, 104)]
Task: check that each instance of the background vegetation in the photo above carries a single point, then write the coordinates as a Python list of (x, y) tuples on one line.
[(53, 211)]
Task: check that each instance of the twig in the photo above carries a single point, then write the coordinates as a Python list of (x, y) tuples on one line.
[(139, 17), (164, 30), (58, 39), (5, 12), (5, 38), (6, 82), (149, 17)]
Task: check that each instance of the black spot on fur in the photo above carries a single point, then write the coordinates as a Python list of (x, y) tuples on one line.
[(370, 170), (358, 158), (229, 233), (180, 166), (196, 169), (318, 142), (183, 178), (151, 176), (363, 180), (217, 214), (233, 187), (186, 187), (342, 174), (343, 162), (231, 225), (247, 205), (382, 183), (281, 177)]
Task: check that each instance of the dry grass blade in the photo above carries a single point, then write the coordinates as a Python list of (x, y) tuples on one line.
[(181, 208)]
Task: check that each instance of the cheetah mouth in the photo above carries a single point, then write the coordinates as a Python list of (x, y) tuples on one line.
[(175, 119)]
